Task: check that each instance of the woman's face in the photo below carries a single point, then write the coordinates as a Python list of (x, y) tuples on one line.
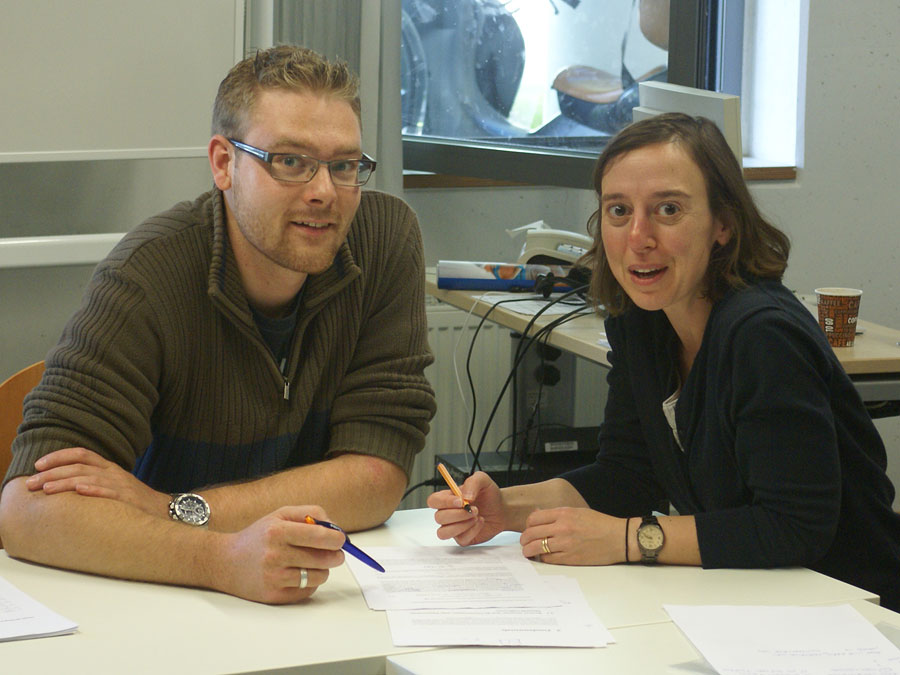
[(658, 231)]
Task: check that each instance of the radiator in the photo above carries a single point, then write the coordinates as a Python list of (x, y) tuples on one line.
[(448, 330)]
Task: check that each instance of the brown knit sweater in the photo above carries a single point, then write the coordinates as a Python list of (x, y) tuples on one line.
[(164, 371)]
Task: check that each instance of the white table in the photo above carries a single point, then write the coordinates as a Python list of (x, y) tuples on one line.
[(147, 628), (648, 649)]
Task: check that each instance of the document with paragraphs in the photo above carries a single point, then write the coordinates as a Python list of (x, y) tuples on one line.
[(570, 624), (480, 595), (451, 577)]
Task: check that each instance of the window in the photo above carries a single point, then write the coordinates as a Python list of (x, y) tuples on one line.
[(530, 90)]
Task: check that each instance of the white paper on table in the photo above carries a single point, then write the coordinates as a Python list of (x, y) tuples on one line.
[(740, 640), (450, 577), (571, 624), (22, 617)]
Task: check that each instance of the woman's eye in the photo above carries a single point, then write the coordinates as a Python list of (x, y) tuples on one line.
[(668, 209), (616, 211)]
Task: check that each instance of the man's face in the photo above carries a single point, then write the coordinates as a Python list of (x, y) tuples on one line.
[(275, 226)]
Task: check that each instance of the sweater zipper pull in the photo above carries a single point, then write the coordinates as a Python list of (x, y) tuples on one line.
[(287, 382)]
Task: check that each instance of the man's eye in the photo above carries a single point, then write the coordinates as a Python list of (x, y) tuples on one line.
[(291, 161), (342, 166)]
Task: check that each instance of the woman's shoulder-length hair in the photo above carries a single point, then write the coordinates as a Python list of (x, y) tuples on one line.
[(756, 248)]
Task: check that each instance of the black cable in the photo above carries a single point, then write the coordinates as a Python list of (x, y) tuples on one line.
[(518, 359), (544, 333), (475, 464), (433, 482)]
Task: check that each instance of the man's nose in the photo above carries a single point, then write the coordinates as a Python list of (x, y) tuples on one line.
[(321, 188)]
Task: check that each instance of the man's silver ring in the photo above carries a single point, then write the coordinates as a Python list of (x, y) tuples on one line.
[(544, 545), (304, 578)]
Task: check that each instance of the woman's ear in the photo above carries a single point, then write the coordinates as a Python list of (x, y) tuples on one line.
[(723, 233), (221, 161)]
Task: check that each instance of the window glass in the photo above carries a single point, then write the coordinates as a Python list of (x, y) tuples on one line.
[(553, 74)]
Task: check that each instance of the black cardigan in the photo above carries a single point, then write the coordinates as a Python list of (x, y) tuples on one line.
[(782, 464)]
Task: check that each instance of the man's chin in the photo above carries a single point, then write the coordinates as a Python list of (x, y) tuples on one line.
[(310, 266)]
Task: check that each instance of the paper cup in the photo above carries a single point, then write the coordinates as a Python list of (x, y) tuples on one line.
[(838, 312)]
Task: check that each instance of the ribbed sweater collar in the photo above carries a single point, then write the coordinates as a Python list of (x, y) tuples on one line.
[(224, 280)]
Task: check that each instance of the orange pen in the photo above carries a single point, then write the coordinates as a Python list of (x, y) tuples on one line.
[(454, 488)]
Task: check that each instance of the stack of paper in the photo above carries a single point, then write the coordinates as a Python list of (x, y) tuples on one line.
[(22, 617), (485, 595)]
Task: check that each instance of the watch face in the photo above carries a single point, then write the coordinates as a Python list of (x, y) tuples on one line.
[(192, 509), (650, 537)]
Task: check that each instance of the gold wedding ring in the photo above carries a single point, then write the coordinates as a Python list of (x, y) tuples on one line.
[(544, 546)]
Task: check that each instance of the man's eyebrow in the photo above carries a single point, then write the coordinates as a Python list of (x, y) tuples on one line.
[(298, 147)]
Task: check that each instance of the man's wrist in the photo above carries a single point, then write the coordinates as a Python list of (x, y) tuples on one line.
[(189, 508)]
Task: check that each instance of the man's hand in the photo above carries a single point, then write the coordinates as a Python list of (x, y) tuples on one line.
[(264, 561), (87, 473)]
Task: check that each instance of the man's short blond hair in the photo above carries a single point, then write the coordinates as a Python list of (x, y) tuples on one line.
[(284, 67)]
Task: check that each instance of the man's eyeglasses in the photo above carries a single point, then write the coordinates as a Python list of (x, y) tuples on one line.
[(293, 168)]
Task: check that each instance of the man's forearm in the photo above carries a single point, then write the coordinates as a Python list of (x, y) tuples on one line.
[(103, 536), (357, 491)]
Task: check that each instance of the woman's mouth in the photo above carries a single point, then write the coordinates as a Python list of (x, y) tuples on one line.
[(646, 273)]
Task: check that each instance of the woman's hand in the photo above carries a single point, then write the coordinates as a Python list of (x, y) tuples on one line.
[(575, 536), (486, 519)]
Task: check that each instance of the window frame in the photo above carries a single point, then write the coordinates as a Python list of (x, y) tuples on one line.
[(694, 61)]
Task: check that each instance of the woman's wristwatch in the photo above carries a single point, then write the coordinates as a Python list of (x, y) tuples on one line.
[(650, 539)]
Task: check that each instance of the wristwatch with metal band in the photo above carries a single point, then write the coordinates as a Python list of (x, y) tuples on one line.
[(650, 539), (189, 508)]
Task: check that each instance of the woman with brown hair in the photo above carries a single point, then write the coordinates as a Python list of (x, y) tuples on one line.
[(732, 436)]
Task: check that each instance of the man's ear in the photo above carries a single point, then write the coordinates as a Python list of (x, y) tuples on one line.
[(221, 161)]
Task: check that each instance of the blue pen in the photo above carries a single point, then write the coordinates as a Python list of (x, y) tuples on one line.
[(353, 550)]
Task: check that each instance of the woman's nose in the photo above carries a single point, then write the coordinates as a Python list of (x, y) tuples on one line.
[(640, 233)]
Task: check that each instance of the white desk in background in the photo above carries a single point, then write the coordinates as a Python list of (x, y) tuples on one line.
[(873, 363), (132, 627)]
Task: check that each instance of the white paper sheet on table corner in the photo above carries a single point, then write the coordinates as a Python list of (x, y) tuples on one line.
[(571, 624), (23, 617), (451, 577), (828, 640)]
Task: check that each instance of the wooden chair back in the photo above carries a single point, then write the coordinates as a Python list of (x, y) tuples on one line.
[(12, 394)]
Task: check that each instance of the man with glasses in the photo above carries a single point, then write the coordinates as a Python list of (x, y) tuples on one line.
[(257, 349)]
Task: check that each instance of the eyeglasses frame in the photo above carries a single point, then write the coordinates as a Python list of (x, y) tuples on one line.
[(269, 157)]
